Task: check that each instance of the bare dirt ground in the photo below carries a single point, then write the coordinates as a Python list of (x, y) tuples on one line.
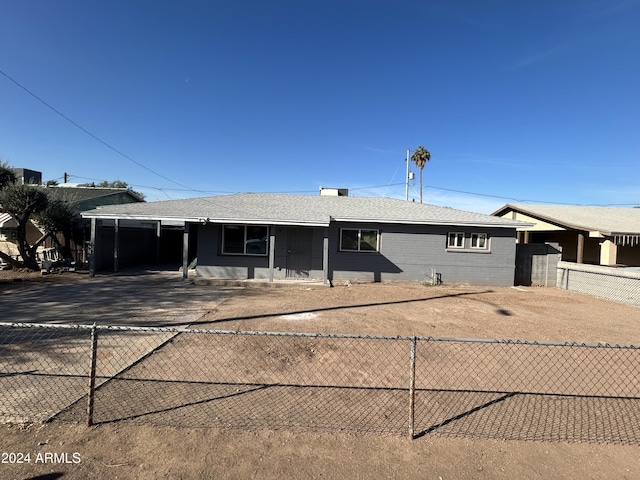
[(132, 450), (523, 313)]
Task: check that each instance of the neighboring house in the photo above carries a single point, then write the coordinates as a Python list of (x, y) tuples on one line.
[(88, 198), (8, 228), (24, 176), (84, 198), (594, 235), (324, 237)]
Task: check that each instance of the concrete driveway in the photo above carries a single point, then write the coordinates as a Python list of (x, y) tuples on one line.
[(45, 370), (135, 297)]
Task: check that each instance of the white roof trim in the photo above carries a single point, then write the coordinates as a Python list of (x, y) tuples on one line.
[(203, 220), (433, 222)]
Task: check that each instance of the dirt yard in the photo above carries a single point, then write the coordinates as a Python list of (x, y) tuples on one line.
[(128, 450), (523, 313)]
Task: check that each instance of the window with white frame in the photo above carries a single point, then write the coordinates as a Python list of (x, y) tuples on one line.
[(455, 240), (479, 241), (245, 239), (359, 240)]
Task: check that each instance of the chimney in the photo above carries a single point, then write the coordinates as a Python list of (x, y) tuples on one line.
[(334, 192)]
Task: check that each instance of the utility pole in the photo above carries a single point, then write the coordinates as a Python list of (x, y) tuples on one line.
[(408, 176), (66, 177), (406, 180)]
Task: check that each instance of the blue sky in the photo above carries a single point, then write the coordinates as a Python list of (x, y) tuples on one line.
[(517, 101)]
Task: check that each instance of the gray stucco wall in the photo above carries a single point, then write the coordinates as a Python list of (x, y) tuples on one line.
[(406, 253), (212, 263), (409, 253), (536, 263)]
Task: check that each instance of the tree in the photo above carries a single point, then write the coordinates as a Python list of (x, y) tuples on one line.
[(57, 217), (113, 184), (7, 176), (21, 202), (420, 157), (27, 202)]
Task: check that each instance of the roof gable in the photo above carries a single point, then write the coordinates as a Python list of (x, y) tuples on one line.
[(85, 194), (607, 220)]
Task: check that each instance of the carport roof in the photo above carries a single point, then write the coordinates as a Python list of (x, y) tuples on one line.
[(286, 209)]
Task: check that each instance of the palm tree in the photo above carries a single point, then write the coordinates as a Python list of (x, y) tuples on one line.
[(420, 157)]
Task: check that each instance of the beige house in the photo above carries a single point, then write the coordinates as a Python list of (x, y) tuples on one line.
[(84, 198), (8, 228), (593, 235)]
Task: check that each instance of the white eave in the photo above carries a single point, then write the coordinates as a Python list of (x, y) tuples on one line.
[(468, 223), (201, 220)]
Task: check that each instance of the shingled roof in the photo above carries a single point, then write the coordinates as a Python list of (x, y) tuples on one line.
[(607, 220), (285, 209), (80, 194)]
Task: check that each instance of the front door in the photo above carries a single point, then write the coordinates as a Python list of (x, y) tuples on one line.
[(299, 245)]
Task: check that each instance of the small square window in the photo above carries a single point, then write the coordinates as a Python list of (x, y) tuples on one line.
[(479, 240), (456, 240)]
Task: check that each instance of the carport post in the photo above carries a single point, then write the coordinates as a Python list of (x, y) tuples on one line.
[(272, 250), (116, 244), (580, 248), (92, 248), (92, 374), (325, 256), (158, 235), (185, 251)]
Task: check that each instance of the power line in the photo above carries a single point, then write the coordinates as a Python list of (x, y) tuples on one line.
[(522, 200), (414, 190), (100, 140), (162, 189), (189, 189), (377, 186), (494, 196), (95, 137)]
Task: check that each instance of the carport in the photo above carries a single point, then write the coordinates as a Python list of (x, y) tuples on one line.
[(116, 243)]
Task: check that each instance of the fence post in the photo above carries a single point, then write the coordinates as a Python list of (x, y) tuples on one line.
[(92, 374), (412, 389)]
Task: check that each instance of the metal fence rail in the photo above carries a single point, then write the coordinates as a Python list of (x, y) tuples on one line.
[(339, 383), (617, 284)]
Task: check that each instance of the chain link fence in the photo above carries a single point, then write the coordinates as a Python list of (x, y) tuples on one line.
[(319, 382), (617, 284)]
